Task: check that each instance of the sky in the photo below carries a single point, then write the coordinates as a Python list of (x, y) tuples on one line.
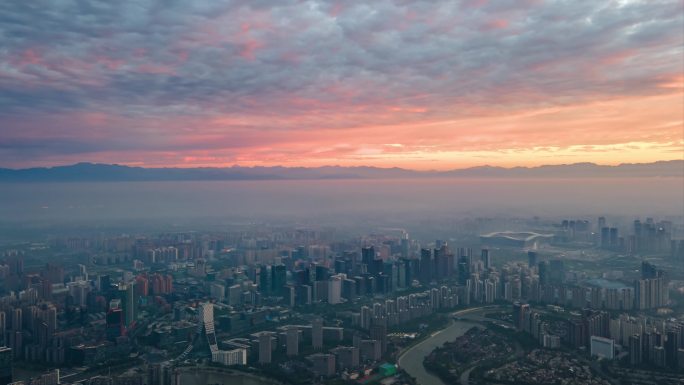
[(414, 84)]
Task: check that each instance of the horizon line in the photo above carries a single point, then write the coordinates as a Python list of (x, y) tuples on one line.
[(485, 165)]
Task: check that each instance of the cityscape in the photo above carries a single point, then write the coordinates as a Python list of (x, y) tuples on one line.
[(600, 297), (341, 192)]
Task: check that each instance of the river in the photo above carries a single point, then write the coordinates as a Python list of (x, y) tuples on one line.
[(412, 359)]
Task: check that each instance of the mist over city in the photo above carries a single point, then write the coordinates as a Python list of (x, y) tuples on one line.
[(341, 192)]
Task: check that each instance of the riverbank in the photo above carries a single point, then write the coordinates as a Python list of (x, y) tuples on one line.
[(411, 360)]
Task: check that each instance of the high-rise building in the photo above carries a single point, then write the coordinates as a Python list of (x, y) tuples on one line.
[(3, 328), (265, 348), (264, 279), (230, 357), (278, 278), (292, 341), (602, 347), (367, 255), (426, 266), (650, 293), (486, 259), (520, 311), (378, 332), (649, 271), (217, 291), (557, 271), (601, 223), (463, 269), (635, 350), (605, 237), (335, 289), (5, 365), (531, 259), (542, 270), (323, 364), (317, 333), (347, 357), (128, 303), (366, 317)]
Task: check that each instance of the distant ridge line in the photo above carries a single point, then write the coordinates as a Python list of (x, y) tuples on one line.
[(98, 172)]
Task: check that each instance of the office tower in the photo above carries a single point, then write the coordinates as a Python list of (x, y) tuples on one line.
[(638, 236), (605, 237), (83, 272), (278, 278), (115, 324), (322, 273), (613, 241), (292, 341), (557, 271), (217, 291), (601, 223), (340, 266), (649, 270), (317, 333), (443, 262), (405, 246), (486, 259), (265, 348), (463, 269), (426, 267), (335, 290), (264, 279), (531, 259), (235, 295), (5, 365), (367, 255), (520, 311), (542, 270), (128, 303)]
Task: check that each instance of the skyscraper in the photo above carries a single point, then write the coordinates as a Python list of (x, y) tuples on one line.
[(426, 265), (463, 269), (292, 341), (317, 333), (557, 271), (5, 365), (486, 259), (3, 328), (635, 350), (265, 348), (367, 255), (278, 278), (128, 303), (531, 259)]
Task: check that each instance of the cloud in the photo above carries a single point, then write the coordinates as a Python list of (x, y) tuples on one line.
[(236, 80)]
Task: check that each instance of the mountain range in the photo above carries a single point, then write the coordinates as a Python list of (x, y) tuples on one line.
[(96, 172)]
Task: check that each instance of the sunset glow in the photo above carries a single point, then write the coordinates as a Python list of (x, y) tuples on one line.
[(421, 85)]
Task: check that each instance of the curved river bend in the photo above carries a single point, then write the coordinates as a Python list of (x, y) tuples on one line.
[(412, 359)]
